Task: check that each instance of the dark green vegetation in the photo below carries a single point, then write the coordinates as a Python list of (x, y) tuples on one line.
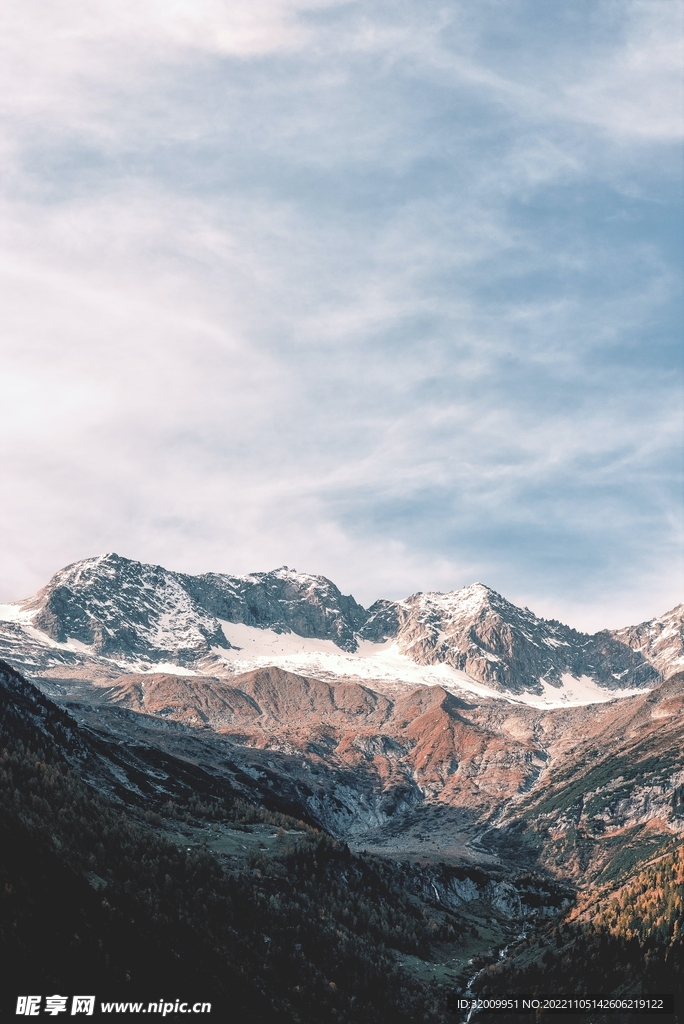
[(626, 938), (158, 880), (97, 898), (605, 819)]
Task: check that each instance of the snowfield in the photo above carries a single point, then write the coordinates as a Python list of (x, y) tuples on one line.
[(163, 627), (382, 666)]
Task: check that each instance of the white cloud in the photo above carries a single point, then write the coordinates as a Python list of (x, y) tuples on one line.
[(637, 91), (282, 284)]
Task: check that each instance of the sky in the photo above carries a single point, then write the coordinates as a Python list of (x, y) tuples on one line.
[(385, 291)]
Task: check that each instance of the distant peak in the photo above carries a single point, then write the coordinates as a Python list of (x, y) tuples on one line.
[(107, 556), (471, 592)]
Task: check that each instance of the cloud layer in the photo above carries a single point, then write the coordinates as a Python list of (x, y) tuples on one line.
[(382, 292)]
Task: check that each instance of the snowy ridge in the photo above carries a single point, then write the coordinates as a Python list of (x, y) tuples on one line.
[(477, 631), (660, 640), (110, 613), (383, 665)]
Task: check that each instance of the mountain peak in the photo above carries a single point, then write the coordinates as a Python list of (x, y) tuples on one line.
[(467, 601), (139, 615), (477, 631), (660, 640)]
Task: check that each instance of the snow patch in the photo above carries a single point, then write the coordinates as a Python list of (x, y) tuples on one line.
[(575, 692), (457, 604), (385, 664), (76, 645), (254, 642), (15, 613), (167, 667)]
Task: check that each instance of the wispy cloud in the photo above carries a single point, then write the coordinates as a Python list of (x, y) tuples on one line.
[(385, 292)]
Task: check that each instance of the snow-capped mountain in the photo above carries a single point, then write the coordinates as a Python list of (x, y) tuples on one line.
[(660, 640), (104, 615), (117, 608), (359, 716), (482, 634)]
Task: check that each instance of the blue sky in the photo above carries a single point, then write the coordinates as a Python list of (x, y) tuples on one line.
[(385, 291)]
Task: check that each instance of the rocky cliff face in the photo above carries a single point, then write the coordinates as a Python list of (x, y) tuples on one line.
[(660, 641), (283, 600), (479, 632), (109, 613)]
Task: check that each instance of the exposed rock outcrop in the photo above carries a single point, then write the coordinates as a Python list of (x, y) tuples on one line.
[(111, 611), (660, 641), (479, 632)]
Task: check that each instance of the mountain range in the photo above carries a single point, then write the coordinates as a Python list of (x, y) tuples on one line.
[(412, 725), (499, 753), (114, 614)]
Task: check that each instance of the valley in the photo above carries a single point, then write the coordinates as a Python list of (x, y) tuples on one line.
[(498, 772)]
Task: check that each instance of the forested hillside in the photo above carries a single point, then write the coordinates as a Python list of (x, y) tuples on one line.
[(626, 938), (94, 896), (101, 892)]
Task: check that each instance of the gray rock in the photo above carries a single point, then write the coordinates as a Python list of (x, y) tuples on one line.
[(125, 612)]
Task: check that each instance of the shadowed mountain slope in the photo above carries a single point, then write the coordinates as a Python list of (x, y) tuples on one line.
[(612, 796), (96, 899)]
